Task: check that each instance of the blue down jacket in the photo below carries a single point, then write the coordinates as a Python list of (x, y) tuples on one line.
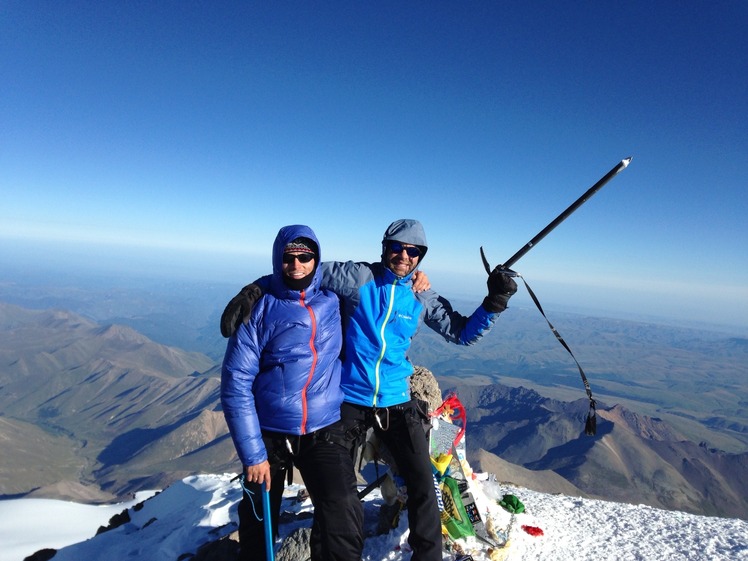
[(381, 314), (281, 370)]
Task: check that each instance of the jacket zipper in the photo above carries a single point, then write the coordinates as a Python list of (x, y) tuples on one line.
[(384, 341), (304, 410)]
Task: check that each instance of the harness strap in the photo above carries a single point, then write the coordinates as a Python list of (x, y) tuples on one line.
[(591, 422)]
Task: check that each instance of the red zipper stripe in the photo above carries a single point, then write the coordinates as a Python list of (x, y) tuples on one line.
[(304, 409)]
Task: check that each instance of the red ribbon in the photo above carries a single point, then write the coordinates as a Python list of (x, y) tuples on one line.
[(455, 411), (532, 530)]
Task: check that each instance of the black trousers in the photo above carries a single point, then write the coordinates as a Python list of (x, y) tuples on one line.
[(401, 427), (329, 475)]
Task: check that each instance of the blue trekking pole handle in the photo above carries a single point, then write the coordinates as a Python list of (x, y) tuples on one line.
[(268, 523)]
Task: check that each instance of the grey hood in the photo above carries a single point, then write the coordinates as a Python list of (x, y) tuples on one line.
[(407, 231)]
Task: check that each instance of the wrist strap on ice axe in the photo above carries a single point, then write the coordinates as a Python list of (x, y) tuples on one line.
[(590, 426)]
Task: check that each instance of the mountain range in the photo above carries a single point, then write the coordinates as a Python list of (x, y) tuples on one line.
[(96, 412)]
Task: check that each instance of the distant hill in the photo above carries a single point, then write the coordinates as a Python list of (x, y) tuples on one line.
[(696, 380), (632, 458), (95, 411), (174, 313), (103, 394)]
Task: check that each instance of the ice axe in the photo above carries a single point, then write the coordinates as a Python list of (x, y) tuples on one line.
[(591, 421), (560, 218)]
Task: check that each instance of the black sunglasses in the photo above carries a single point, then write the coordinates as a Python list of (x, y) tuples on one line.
[(288, 258), (397, 247)]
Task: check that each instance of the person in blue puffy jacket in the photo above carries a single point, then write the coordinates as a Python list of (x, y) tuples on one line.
[(280, 392), (381, 314)]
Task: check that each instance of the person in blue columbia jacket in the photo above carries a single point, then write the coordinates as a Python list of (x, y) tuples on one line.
[(280, 392), (381, 314)]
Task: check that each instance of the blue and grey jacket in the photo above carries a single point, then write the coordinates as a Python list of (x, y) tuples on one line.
[(281, 370), (381, 314)]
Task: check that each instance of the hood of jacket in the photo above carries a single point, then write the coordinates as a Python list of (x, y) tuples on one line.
[(286, 235)]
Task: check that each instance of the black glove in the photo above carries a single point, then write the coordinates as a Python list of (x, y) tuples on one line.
[(239, 308), (501, 286)]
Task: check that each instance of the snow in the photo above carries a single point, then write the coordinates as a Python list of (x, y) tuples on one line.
[(197, 509), (27, 525)]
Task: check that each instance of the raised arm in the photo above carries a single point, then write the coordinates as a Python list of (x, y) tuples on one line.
[(466, 330)]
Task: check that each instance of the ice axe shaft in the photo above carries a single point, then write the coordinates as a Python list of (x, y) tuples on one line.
[(560, 218)]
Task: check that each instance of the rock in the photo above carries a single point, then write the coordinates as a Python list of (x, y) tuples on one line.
[(223, 549), (423, 385), (296, 546), (42, 555)]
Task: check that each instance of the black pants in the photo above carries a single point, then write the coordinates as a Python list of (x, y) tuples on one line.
[(329, 476), (401, 427)]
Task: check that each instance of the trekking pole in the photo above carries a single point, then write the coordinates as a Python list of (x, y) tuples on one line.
[(560, 218), (268, 523)]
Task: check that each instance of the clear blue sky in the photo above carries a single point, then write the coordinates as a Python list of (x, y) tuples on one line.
[(182, 135)]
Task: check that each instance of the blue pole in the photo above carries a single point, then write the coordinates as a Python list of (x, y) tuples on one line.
[(268, 523)]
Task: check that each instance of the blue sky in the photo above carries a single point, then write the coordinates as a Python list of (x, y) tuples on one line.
[(177, 137)]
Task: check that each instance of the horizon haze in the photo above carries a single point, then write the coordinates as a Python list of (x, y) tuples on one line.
[(176, 138)]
